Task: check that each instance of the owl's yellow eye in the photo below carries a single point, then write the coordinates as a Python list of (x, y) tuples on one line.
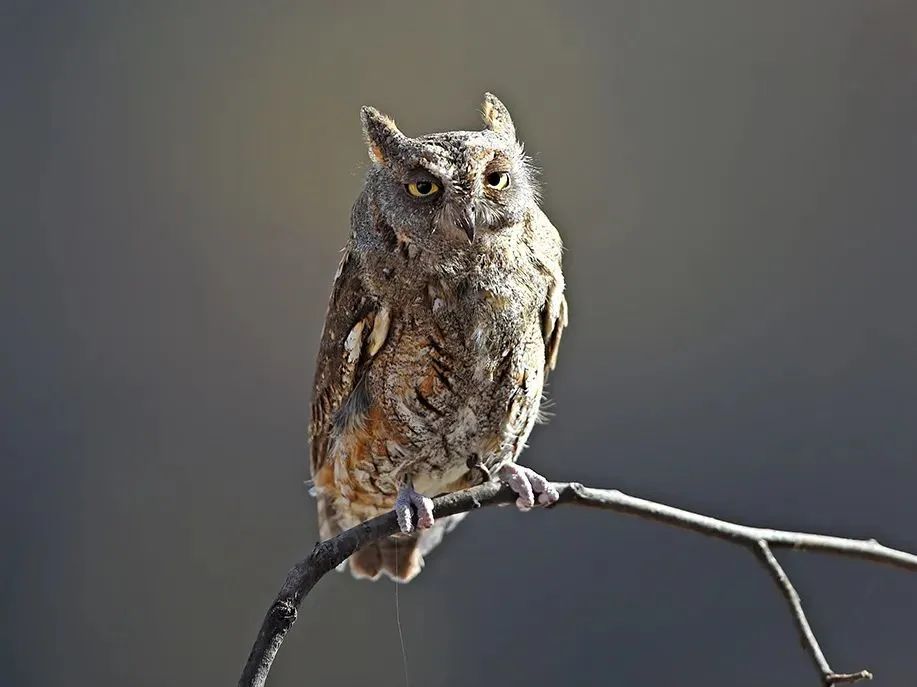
[(422, 189), (497, 180)]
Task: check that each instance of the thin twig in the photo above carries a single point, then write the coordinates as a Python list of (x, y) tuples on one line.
[(828, 676), (328, 554)]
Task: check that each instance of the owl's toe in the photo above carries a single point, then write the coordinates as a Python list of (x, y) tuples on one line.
[(424, 507), (527, 484), (405, 505), (549, 496)]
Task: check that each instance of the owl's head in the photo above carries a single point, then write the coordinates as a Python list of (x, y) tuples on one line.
[(458, 184)]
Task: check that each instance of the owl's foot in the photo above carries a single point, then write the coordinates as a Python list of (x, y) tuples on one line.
[(527, 484), (407, 500)]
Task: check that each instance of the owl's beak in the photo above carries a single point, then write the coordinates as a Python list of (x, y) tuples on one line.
[(466, 222)]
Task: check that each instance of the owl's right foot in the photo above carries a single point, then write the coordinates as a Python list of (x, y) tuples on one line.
[(407, 501), (529, 486)]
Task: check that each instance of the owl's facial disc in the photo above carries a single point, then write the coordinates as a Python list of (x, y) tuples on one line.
[(451, 189), (484, 184), (454, 185)]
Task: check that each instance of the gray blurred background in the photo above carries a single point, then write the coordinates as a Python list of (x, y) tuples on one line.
[(735, 183)]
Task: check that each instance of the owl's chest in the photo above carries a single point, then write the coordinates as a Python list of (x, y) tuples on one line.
[(460, 379), (463, 343)]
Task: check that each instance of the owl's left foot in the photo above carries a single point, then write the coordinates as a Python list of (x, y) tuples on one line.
[(527, 484), (407, 501)]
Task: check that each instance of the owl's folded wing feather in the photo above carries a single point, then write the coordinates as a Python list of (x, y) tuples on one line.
[(554, 310), (554, 320), (355, 327)]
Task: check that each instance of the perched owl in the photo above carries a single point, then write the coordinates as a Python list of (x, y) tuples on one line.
[(445, 318)]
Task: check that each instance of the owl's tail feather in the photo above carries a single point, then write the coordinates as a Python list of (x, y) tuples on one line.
[(400, 557)]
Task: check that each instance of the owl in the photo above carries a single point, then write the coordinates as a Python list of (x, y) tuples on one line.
[(444, 320)]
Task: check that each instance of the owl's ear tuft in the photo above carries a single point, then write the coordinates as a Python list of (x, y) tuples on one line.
[(496, 117), (382, 136)]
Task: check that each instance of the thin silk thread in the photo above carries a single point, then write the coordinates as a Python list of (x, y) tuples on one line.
[(404, 653)]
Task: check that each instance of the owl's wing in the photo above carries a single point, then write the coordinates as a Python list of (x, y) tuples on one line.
[(355, 328), (554, 320), (554, 310)]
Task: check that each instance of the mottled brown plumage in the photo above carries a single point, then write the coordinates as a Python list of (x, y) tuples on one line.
[(445, 318)]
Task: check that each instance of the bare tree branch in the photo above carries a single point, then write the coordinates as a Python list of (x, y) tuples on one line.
[(328, 554)]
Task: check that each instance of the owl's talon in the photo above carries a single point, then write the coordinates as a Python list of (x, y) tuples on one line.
[(474, 463), (527, 483), (408, 500), (549, 496)]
